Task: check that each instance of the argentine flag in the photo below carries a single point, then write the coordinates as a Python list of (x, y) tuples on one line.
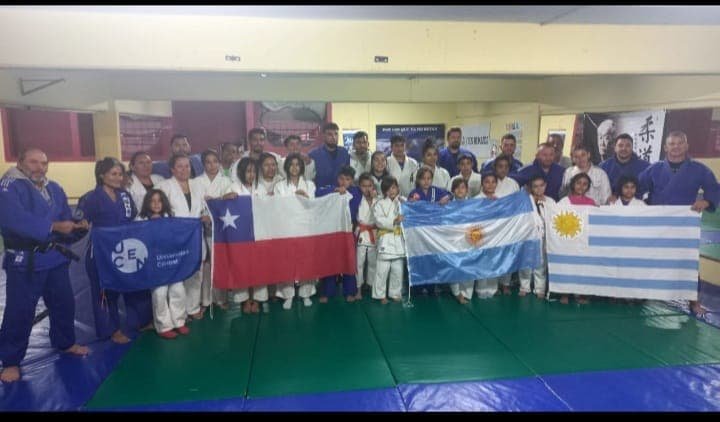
[(630, 252), (469, 240)]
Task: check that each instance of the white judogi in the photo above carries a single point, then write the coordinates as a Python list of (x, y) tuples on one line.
[(214, 188), (260, 293), (390, 249), (600, 189), (366, 248), (540, 273), (306, 288), (505, 187), (175, 195), (309, 169), (474, 184), (267, 188), (359, 165), (377, 181), (441, 177), (633, 203), (168, 303), (404, 175), (137, 189)]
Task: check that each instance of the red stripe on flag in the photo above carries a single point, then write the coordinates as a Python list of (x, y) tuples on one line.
[(239, 265)]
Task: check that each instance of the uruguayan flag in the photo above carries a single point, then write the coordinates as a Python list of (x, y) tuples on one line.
[(470, 239), (631, 252)]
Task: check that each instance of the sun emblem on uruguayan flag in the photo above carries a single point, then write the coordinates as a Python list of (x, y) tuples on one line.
[(474, 235), (568, 224)]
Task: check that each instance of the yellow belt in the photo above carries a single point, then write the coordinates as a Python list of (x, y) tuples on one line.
[(382, 232)]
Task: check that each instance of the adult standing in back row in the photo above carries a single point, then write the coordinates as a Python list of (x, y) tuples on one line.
[(677, 180), (329, 157), (448, 157)]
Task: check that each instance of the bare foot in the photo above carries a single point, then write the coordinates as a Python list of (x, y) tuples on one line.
[(564, 299), (198, 315), (540, 296), (223, 306), (148, 327), (522, 293), (350, 298), (583, 300), (397, 299), (358, 296), (255, 307), (461, 299), (77, 349), (506, 290), (10, 374), (697, 309), (323, 299), (119, 338), (384, 301)]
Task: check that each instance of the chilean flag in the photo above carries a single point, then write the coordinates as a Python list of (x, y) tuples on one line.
[(261, 241)]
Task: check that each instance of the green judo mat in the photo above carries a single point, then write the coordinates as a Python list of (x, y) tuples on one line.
[(365, 345)]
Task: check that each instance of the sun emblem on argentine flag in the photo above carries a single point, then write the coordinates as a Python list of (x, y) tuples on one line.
[(474, 235), (568, 224)]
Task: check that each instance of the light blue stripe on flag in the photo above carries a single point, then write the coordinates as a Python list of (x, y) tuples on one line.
[(686, 264), (423, 213), (636, 221), (474, 264), (643, 242), (625, 282)]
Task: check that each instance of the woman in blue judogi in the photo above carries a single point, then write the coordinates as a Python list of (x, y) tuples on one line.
[(109, 204)]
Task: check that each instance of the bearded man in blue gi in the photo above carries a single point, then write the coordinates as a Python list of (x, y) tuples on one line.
[(35, 221)]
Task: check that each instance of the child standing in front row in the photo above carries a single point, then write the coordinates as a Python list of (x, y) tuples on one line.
[(391, 245), (486, 288), (295, 185), (536, 188), (579, 186), (627, 187), (462, 291), (366, 234), (424, 191), (168, 301)]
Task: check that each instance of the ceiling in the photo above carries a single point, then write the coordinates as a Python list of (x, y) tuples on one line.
[(544, 15)]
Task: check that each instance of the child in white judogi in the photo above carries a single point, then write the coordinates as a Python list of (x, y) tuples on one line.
[(486, 288), (536, 187), (246, 184), (462, 291), (627, 186), (391, 245), (295, 185), (366, 234)]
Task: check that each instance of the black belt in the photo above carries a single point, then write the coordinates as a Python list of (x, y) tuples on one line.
[(32, 246)]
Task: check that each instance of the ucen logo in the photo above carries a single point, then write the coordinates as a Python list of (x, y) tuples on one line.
[(129, 255)]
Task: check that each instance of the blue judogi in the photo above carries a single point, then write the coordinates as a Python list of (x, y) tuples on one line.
[(328, 285), (615, 170), (327, 168), (553, 177), (162, 168), (448, 160), (97, 207), (680, 188), (514, 167), (26, 217), (434, 194)]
